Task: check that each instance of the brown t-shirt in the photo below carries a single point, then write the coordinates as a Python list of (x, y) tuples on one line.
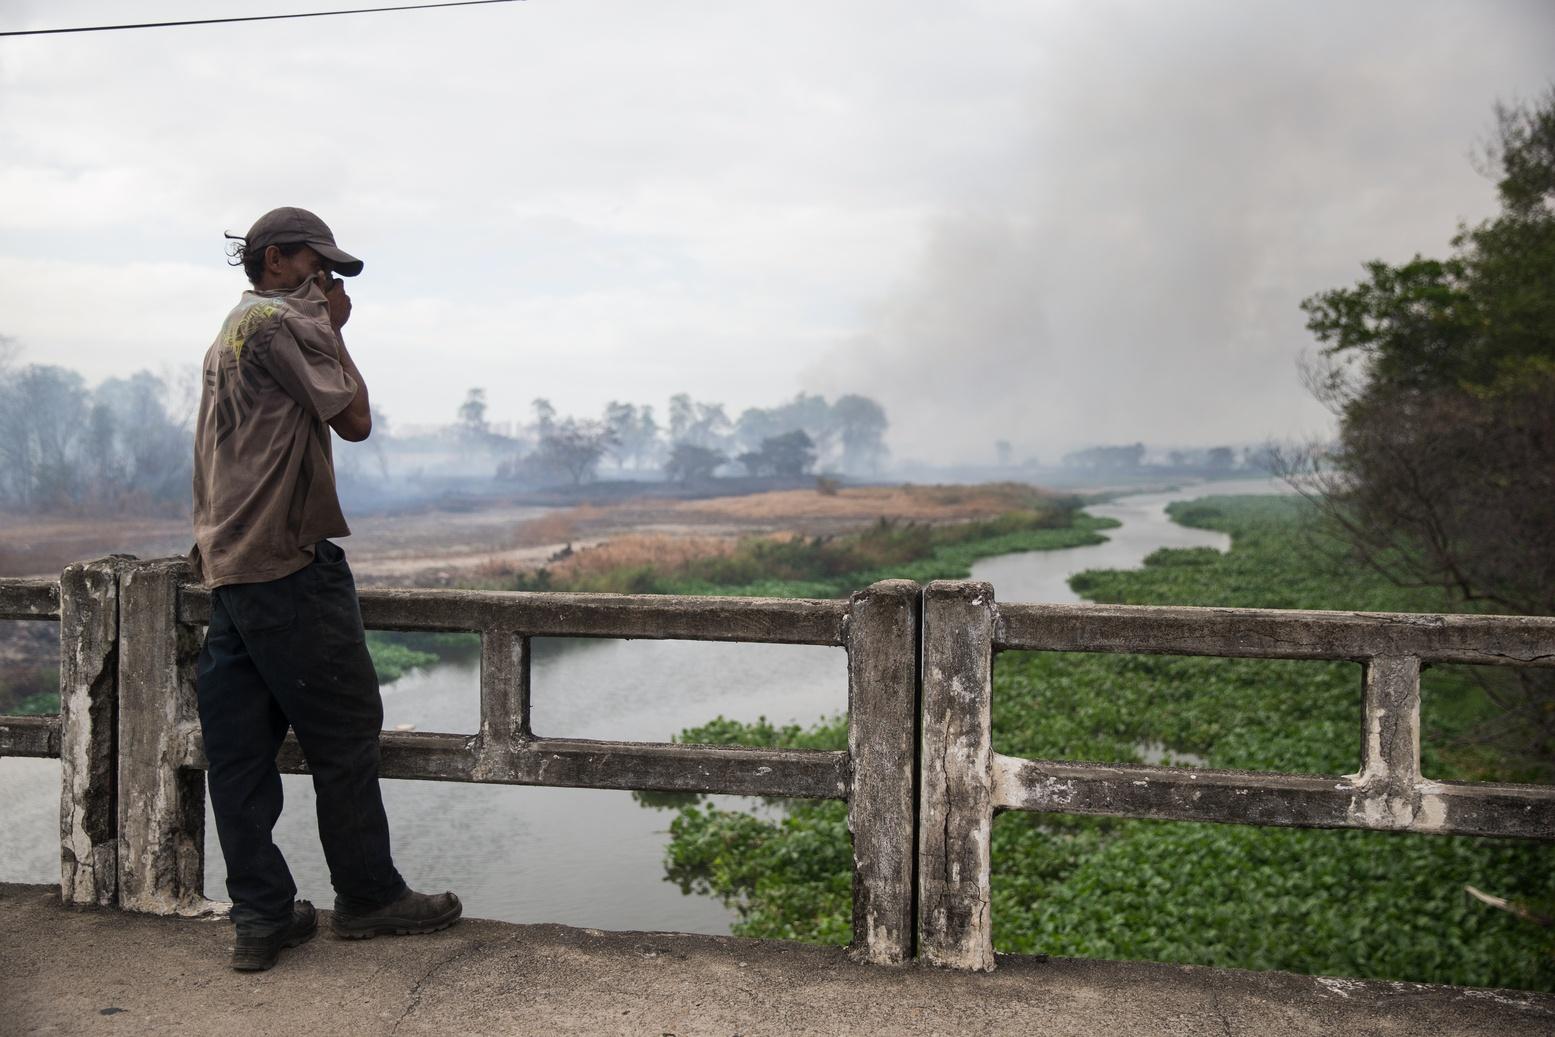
[(264, 478)]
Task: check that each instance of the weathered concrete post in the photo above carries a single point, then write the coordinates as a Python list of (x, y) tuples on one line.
[(504, 701), (955, 807), (161, 804), (882, 721), (88, 707), (1390, 748)]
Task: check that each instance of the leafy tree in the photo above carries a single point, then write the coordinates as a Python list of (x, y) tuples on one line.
[(682, 414), (712, 426), (861, 424), (756, 424), (689, 462), (755, 463), (645, 439), (789, 454), (848, 434), (472, 414), (1442, 374), (815, 416), (621, 420), (545, 416)]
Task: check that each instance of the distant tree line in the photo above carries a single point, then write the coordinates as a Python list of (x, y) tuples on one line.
[(697, 441), (1131, 458), (124, 446)]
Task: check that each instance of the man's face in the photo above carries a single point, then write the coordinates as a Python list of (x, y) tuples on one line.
[(289, 272)]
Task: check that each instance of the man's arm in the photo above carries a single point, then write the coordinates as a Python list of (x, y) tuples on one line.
[(355, 423)]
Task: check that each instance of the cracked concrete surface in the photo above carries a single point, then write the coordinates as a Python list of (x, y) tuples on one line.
[(103, 972)]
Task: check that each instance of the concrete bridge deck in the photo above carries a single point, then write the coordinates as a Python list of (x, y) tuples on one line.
[(65, 971)]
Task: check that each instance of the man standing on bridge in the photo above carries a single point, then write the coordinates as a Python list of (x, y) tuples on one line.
[(285, 646)]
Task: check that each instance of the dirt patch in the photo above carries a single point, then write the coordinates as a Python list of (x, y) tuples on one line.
[(32, 545)]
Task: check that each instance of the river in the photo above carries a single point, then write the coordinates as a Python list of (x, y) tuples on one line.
[(591, 857)]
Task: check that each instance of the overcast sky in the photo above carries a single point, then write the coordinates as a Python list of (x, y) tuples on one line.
[(1052, 223)]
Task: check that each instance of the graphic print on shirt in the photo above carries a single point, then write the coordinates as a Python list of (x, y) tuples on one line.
[(232, 379)]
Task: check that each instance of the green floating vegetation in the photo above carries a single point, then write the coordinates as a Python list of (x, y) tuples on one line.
[(1365, 904), (835, 566), (395, 653), (30, 691)]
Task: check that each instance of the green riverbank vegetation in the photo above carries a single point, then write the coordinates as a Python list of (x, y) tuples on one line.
[(1364, 904), (30, 690), (836, 565), (829, 566)]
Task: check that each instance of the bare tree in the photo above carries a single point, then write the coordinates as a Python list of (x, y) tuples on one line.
[(574, 448)]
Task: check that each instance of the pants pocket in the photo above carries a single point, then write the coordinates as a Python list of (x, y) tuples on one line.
[(331, 608), (257, 607)]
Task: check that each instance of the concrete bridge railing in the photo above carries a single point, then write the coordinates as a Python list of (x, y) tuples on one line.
[(920, 776), (964, 782), (128, 733)]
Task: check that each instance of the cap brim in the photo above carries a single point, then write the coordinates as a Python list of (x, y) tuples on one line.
[(343, 263)]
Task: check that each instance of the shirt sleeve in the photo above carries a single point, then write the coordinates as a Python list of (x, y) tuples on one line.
[(304, 359)]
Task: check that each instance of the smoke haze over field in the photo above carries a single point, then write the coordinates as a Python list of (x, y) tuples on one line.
[(1052, 224), (1184, 176)]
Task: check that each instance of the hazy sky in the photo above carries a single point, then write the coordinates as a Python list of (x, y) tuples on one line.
[(1053, 223)]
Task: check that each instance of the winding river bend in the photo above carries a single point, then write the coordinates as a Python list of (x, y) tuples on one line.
[(590, 857)]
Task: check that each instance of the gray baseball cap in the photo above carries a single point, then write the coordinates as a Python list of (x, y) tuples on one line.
[(290, 226)]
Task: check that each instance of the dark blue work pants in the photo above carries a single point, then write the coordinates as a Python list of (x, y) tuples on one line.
[(291, 652)]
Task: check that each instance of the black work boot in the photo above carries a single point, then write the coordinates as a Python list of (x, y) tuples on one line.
[(258, 953), (412, 913)]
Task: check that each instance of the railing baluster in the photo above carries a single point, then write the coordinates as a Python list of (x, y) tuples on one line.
[(504, 700), (161, 804), (882, 716), (955, 811), (1390, 747), (88, 706)]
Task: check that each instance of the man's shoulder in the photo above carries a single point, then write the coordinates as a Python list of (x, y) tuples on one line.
[(303, 312), (253, 320), (258, 316)]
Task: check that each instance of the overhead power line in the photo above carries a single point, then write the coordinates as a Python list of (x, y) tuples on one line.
[(250, 18)]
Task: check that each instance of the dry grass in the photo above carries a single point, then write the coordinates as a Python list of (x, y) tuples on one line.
[(667, 536), (639, 550), (32, 545), (867, 503), (558, 527)]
